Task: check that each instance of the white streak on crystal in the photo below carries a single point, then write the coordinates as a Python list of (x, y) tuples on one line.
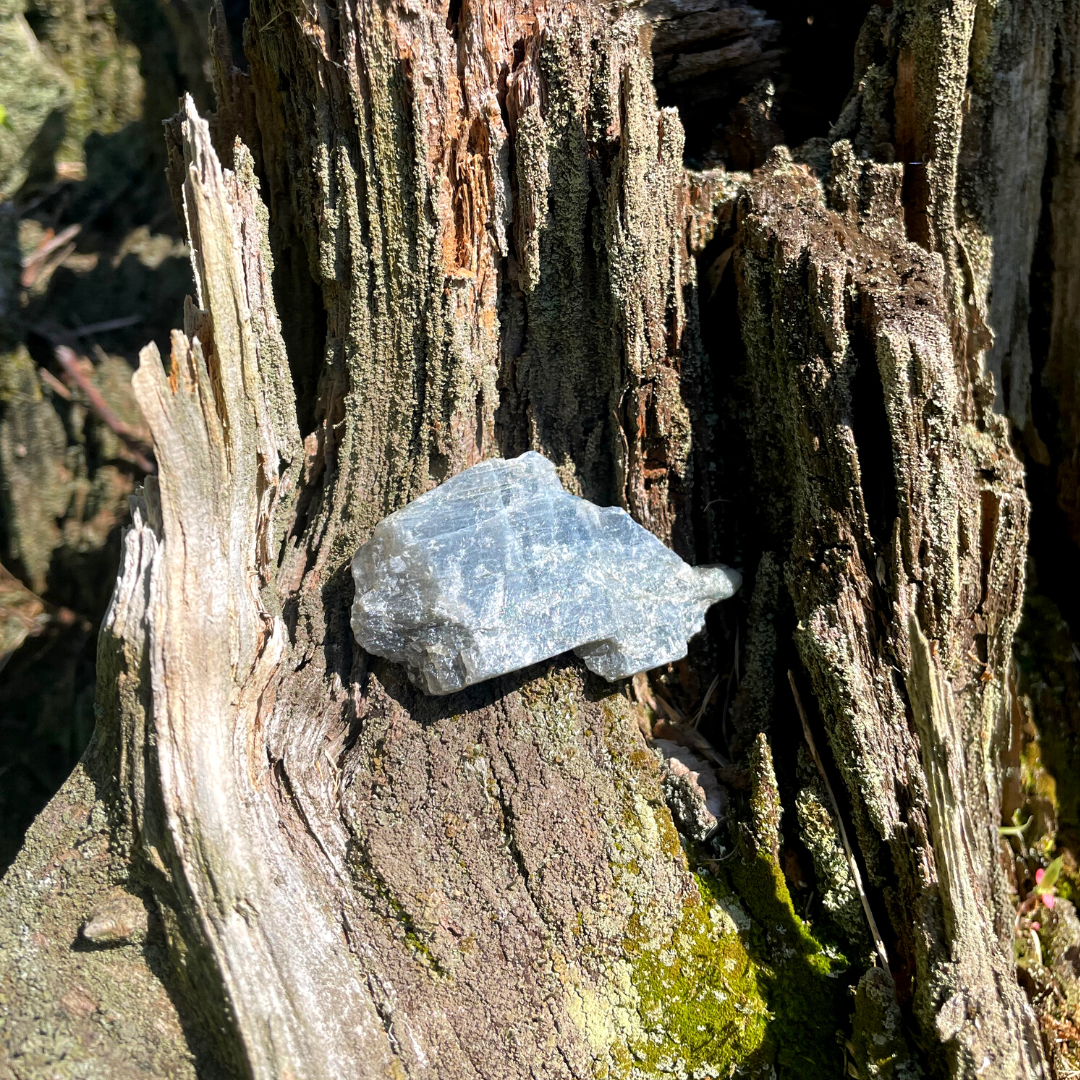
[(500, 568)]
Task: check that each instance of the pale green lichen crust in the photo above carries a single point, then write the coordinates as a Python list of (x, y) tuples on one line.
[(739, 982)]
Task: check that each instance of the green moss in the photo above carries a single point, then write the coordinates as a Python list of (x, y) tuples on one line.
[(799, 978), (739, 979), (730, 989), (800, 981), (701, 1004)]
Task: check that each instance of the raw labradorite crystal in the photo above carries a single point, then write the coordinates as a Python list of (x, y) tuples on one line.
[(500, 567)]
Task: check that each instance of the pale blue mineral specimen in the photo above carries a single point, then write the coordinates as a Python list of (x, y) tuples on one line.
[(500, 567)]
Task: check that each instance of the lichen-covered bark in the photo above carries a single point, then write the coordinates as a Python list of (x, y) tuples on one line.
[(486, 886), (449, 232), (959, 95), (501, 266), (907, 524)]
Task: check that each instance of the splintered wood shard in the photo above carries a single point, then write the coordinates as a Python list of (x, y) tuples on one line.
[(224, 431)]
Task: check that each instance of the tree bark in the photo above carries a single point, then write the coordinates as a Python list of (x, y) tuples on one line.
[(446, 233)]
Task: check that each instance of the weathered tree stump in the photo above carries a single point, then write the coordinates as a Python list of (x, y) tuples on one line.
[(451, 232)]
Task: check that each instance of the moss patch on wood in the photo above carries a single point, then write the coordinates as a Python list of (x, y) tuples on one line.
[(701, 1001)]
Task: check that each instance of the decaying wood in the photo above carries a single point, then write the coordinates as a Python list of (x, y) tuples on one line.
[(478, 237), (297, 848), (702, 52), (500, 267), (906, 524)]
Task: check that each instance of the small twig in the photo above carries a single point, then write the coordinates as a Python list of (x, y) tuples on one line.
[(1037, 946), (670, 711), (283, 11), (49, 245), (54, 384), (28, 208), (109, 324), (879, 944), (705, 700), (70, 363), (713, 502), (685, 735), (62, 335), (32, 264), (727, 690)]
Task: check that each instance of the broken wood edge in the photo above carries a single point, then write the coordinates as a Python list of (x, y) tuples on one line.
[(189, 597)]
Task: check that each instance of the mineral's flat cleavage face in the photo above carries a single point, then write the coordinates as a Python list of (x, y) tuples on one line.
[(500, 568)]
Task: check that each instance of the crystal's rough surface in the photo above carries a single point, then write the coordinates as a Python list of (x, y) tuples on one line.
[(500, 567)]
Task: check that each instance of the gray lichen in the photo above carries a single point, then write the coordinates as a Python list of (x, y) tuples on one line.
[(697, 800), (838, 894), (880, 1045)]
